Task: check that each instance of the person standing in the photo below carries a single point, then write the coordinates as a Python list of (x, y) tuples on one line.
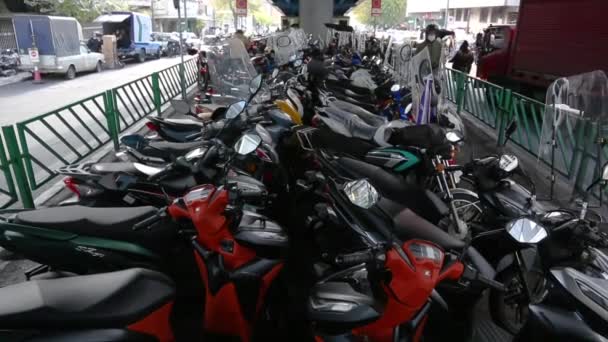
[(94, 43), (463, 59), (240, 34), (433, 45)]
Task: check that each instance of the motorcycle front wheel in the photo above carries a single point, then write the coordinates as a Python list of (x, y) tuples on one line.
[(509, 309)]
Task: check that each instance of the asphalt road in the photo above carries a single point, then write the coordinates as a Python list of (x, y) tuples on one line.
[(65, 137), (20, 101)]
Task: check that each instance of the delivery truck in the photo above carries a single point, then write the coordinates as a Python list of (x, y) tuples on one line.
[(133, 35), (553, 38), (53, 45)]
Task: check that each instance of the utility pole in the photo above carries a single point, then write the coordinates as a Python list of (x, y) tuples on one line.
[(181, 50), (186, 14), (447, 14), (152, 14)]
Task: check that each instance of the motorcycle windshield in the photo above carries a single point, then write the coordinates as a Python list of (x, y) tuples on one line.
[(576, 109), (285, 46), (230, 68)]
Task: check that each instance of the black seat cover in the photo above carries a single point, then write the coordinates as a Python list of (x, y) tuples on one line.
[(392, 186), (178, 125), (423, 136), (107, 223), (106, 300), (166, 149), (408, 225), (104, 168), (178, 185), (324, 137)]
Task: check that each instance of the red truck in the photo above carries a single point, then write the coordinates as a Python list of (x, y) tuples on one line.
[(553, 38)]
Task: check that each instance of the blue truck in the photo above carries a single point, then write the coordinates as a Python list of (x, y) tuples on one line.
[(133, 34)]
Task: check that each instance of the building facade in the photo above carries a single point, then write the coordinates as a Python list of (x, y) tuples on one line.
[(469, 15), (166, 19)]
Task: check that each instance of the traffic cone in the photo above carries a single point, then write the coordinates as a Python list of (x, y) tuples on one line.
[(37, 76)]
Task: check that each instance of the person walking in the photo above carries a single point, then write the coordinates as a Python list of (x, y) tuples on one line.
[(463, 59)]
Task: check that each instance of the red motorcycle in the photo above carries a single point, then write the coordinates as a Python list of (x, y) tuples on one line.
[(382, 291), (238, 251)]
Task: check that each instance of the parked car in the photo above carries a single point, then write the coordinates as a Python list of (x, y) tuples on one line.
[(161, 38)]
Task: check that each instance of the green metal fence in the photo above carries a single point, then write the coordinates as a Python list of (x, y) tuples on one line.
[(38, 146), (496, 106)]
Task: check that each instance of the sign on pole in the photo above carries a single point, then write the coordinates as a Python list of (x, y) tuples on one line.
[(241, 8), (376, 8), (34, 56)]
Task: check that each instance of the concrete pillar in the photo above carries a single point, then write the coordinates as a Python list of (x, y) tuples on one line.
[(315, 13)]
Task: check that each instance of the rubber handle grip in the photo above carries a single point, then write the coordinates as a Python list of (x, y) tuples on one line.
[(353, 258)]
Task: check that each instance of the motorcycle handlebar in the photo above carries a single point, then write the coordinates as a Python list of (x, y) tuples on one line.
[(251, 194), (146, 223), (354, 258)]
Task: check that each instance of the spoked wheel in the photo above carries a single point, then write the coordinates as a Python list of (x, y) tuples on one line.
[(467, 206)]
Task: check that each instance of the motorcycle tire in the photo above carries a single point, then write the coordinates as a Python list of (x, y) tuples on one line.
[(141, 57), (498, 307)]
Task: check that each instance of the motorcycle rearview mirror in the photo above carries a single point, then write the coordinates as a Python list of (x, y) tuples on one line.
[(235, 109), (255, 85), (524, 230), (180, 106), (508, 163), (602, 179), (361, 193), (453, 137), (247, 143)]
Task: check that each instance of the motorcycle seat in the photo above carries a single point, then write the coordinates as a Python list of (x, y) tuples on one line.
[(106, 300), (352, 94), (124, 167), (107, 223), (346, 123), (178, 124), (166, 149), (328, 139), (104, 168), (179, 185)]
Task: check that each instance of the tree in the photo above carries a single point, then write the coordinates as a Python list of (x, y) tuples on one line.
[(226, 9), (83, 10), (393, 13)]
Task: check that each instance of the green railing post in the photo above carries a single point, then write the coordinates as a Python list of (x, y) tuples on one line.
[(504, 110), (461, 81), (111, 117), (16, 161), (156, 92), (182, 76)]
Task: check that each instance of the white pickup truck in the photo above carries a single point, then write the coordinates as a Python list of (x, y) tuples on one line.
[(68, 65), (59, 46)]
